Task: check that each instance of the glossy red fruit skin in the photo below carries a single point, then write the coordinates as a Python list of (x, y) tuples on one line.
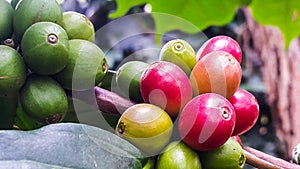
[(246, 109), (217, 72), (166, 85), (221, 43), (206, 122)]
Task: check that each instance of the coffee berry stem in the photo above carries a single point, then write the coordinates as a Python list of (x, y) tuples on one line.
[(262, 160), (112, 103), (107, 101)]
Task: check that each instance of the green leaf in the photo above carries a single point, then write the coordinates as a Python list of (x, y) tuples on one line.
[(124, 6), (190, 16), (67, 145), (166, 22), (245, 2), (15, 164), (201, 13), (281, 13)]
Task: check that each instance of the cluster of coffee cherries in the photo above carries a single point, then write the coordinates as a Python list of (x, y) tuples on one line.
[(196, 96)]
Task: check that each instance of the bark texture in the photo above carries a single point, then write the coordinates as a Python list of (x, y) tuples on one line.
[(280, 68)]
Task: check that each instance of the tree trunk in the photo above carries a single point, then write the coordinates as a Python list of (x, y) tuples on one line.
[(280, 68)]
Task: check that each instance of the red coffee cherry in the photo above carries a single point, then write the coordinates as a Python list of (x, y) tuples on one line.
[(206, 122), (221, 43), (246, 109), (166, 85)]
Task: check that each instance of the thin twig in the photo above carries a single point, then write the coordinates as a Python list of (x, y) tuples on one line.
[(262, 160), (110, 102)]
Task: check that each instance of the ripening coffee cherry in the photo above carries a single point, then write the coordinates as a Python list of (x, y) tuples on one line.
[(179, 52), (146, 126), (217, 72), (221, 43), (166, 85), (206, 122), (246, 109)]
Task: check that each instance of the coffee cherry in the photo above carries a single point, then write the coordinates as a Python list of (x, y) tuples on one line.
[(166, 85), (217, 72), (246, 109), (146, 126), (206, 122), (180, 53), (221, 43)]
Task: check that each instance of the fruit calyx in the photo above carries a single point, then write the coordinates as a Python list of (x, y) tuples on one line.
[(178, 47), (242, 160), (229, 58), (55, 118), (52, 38), (9, 42), (121, 128), (225, 113)]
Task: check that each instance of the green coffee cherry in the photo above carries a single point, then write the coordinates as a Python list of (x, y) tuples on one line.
[(180, 53)]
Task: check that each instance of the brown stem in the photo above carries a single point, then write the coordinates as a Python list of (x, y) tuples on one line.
[(257, 162), (106, 101), (265, 161), (110, 102)]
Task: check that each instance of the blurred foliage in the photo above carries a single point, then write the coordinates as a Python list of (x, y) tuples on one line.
[(201, 13), (284, 14), (204, 13)]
